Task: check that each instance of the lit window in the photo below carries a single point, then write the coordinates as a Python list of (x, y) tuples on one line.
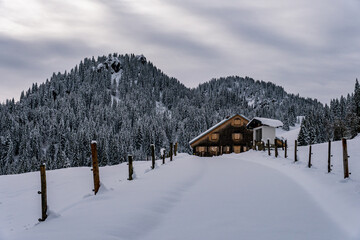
[(201, 149), (237, 121), (237, 136), (214, 136), (213, 149), (237, 149)]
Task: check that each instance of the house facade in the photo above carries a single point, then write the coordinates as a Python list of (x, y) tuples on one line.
[(229, 135), (264, 129)]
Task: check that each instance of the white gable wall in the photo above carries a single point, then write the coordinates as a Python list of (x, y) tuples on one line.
[(267, 133)]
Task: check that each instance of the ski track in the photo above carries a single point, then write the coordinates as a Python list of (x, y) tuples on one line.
[(250, 207)]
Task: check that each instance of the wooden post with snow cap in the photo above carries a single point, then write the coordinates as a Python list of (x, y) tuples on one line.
[(43, 193), (131, 169), (285, 148), (171, 151), (152, 146), (295, 151), (329, 157), (276, 148), (310, 153), (268, 146), (345, 159), (95, 167)]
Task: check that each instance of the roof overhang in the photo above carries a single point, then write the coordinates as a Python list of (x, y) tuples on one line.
[(257, 122)]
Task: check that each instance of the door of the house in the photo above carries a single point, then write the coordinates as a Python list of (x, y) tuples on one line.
[(237, 149), (258, 135)]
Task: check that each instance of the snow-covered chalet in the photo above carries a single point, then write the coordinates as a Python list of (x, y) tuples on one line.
[(229, 135)]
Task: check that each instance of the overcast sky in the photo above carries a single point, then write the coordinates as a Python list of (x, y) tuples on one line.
[(308, 47)]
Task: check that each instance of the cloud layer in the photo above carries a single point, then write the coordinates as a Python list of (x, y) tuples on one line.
[(311, 48)]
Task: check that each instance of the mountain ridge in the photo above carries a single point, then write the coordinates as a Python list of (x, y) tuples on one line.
[(126, 103)]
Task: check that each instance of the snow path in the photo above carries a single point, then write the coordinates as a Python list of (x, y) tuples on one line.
[(227, 197), (122, 209), (230, 203)]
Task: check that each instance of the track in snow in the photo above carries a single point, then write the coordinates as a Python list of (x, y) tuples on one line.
[(190, 198), (237, 199)]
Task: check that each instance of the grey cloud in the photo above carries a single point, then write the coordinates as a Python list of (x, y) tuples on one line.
[(339, 31), (146, 31), (314, 69), (243, 22), (23, 62), (33, 55)]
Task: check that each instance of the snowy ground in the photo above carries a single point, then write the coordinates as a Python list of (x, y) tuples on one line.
[(236, 196), (290, 135)]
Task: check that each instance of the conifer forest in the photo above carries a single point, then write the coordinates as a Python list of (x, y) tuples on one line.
[(125, 103)]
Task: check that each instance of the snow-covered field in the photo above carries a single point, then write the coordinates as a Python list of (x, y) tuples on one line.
[(236, 196)]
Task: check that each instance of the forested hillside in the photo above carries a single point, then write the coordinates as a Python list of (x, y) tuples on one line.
[(340, 119), (126, 103)]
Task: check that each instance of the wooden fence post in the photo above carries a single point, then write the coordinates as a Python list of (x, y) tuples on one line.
[(171, 151), (95, 168), (309, 163), (175, 149), (285, 148), (163, 157), (276, 149), (329, 157), (268, 146), (263, 146), (43, 193), (152, 146), (295, 151), (345, 159), (131, 169)]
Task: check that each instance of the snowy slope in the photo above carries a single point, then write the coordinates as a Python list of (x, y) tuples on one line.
[(290, 135), (236, 196)]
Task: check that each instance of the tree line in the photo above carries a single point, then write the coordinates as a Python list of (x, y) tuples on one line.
[(340, 119), (125, 103)]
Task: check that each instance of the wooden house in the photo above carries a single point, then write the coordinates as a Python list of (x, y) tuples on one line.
[(264, 129), (229, 135)]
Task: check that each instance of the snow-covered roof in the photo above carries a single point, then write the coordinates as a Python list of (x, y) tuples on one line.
[(215, 126), (266, 122)]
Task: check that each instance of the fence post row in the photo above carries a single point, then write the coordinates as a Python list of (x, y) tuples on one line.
[(152, 146), (171, 151), (329, 157), (95, 168), (268, 146), (43, 193), (131, 169), (276, 149), (345, 159), (285, 148), (295, 152), (309, 163)]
